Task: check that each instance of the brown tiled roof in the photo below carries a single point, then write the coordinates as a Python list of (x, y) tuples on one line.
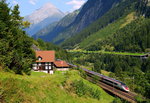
[(47, 56), (61, 63)]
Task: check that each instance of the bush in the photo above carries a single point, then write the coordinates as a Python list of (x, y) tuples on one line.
[(117, 100), (82, 89), (139, 99), (82, 73), (95, 93)]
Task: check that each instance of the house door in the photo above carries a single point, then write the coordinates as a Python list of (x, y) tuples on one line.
[(40, 67)]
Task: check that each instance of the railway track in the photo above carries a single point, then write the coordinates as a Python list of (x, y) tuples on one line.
[(130, 97)]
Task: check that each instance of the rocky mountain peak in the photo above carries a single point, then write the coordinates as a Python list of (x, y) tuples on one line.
[(42, 17), (44, 12)]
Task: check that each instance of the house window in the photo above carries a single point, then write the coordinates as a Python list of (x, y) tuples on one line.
[(39, 58)]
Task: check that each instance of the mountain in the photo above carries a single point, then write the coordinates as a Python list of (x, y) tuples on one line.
[(51, 31), (131, 36), (109, 30), (117, 11), (124, 28), (42, 17), (90, 12), (134, 37)]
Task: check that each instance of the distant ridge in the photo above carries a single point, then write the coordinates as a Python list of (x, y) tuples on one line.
[(42, 17)]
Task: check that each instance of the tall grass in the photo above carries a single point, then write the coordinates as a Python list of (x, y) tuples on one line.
[(45, 88)]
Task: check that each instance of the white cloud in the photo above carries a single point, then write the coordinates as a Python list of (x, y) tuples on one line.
[(33, 2), (14, 2), (76, 3)]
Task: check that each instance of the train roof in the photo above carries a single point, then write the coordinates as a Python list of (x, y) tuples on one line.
[(98, 74), (106, 77)]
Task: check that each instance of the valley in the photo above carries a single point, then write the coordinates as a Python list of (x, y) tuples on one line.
[(109, 38)]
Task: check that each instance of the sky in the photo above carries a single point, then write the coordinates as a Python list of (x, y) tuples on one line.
[(29, 6)]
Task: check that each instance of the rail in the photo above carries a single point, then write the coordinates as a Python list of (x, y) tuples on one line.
[(128, 96)]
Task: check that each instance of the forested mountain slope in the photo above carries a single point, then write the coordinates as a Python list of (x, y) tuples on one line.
[(107, 31), (90, 12), (121, 9), (135, 37)]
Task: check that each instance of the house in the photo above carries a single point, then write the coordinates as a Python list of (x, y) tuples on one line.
[(45, 61), (61, 65)]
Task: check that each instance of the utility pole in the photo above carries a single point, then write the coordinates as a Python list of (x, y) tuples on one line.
[(133, 82)]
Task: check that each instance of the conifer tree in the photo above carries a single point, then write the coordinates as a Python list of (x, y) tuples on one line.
[(15, 46)]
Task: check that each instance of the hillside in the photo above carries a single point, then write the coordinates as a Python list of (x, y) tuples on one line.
[(115, 13), (90, 12), (107, 31), (44, 88), (132, 38)]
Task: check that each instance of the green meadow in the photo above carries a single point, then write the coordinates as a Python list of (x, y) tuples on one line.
[(45, 88), (107, 52)]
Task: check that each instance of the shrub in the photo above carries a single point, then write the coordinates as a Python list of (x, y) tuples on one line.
[(82, 73), (117, 100), (82, 89)]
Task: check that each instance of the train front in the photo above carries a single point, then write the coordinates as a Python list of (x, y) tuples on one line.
[(125, 88)]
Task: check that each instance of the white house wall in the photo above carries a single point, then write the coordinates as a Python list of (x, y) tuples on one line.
[(35, 66), (46, 66)]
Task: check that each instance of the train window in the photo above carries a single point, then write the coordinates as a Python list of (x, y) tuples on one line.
[(110, 81), (122, 83)]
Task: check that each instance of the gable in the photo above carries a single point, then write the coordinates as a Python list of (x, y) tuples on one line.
[(39, 58)]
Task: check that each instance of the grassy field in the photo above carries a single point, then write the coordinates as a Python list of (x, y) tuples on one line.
[(123, 53), (107, 52), (44, 88), (107, 31)]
